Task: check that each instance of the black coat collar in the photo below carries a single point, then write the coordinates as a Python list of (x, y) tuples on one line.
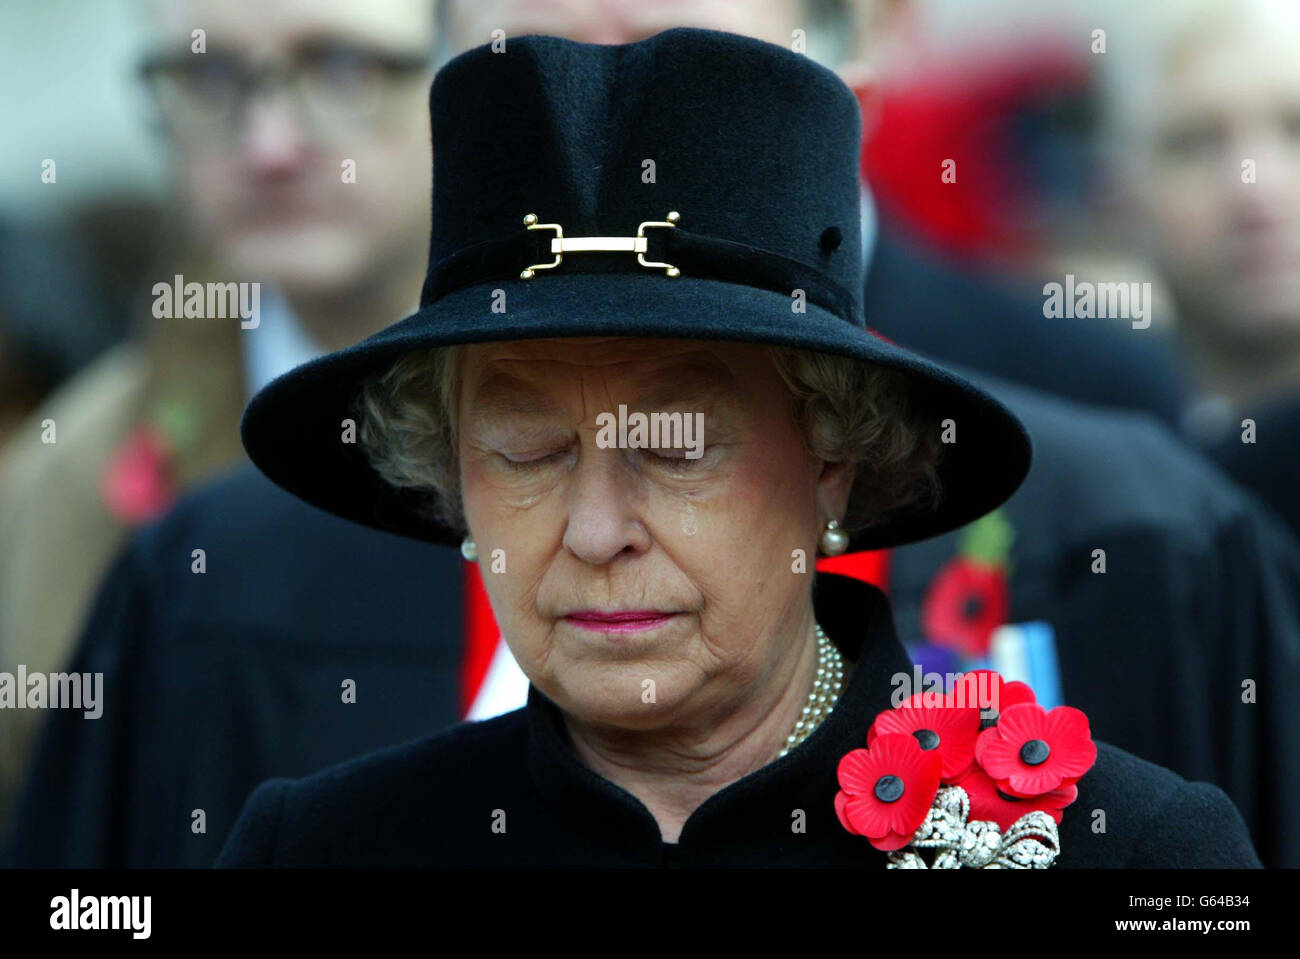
[(757, 810)]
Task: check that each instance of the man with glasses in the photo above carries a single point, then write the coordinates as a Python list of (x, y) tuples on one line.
[(295, 149), (298, 141)]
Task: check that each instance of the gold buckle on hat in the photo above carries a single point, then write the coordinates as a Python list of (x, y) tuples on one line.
[(588, 244)]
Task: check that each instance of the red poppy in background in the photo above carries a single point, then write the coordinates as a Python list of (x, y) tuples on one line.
[(886, 791), (138, 483), (1032, 751), (965, 603), (948, 730)]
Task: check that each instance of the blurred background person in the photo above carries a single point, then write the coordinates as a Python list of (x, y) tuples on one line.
[(976, 117), (297, 138), (1009, 91), (1202, 123)]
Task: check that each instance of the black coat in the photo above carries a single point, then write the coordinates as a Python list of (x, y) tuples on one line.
[(433, 802)]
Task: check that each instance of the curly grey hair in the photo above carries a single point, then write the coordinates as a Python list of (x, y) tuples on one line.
[(847, 411)]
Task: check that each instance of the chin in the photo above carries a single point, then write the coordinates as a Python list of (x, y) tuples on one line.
[(299, 258), (612, 695), (1264, 321)]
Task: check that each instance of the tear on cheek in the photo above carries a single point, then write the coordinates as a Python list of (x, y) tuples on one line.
[(690, 524)]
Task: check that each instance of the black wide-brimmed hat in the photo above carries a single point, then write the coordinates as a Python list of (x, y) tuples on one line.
[(684, 186)]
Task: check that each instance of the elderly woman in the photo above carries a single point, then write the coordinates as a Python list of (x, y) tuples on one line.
[(640, 393)]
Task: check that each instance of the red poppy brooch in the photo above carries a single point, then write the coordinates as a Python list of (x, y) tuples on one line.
[(978, 777)]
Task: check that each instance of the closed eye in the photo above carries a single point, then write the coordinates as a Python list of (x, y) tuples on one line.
[(536, 461), (676, 459)]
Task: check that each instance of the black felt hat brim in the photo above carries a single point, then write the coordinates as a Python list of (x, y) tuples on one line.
[(293, 428)]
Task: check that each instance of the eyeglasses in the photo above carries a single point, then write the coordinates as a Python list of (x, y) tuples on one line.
[(335, 86)]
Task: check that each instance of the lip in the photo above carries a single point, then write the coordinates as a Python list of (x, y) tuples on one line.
[(619, 621)]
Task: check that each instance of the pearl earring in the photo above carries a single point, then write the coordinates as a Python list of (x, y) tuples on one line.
[(469, 549), (834, 540)]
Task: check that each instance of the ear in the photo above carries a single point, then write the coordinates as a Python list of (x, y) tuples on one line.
[(833, 489)]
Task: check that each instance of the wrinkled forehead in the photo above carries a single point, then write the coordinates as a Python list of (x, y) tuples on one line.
[(263, 27), (540, 378)]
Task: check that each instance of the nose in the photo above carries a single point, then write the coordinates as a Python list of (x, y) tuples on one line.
[(604, 503), (274, 143)]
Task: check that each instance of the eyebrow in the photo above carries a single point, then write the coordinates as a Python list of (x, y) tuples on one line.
[(700, 383), (500, 394)]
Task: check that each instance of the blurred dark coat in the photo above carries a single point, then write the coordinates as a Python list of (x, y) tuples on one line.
[(962, 319), (216, 681), (1202, 592), (1270, 466), (59, 534), (394, 808)]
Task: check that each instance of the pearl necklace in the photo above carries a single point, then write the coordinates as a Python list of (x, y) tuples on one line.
[(825, 691)]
